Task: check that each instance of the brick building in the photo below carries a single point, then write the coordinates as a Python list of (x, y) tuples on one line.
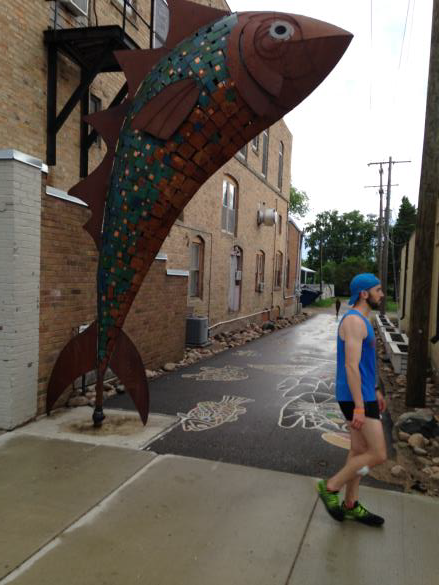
[(217, 262)]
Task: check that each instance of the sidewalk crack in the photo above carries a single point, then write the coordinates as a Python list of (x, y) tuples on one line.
[(302, 540)]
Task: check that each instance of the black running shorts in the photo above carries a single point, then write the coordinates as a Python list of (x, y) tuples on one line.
[(371, 409)]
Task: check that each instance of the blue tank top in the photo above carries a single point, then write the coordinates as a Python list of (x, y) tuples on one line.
[(367, 364)]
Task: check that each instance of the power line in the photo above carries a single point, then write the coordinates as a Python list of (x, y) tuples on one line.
[(403, 36)]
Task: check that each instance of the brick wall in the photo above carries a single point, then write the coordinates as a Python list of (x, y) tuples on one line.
[(202, 218), (20, 186)]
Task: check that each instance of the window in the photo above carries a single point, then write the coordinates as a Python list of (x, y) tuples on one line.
[(265, 153), (281, 165), (278, 270), (280, 223), (95, 105), (255, 143), (229, 206), (196, 268), (242, 152), (129, 8), (288, 274), (260, 269)]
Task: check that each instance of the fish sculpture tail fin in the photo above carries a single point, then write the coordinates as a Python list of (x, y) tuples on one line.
[(79, 356)]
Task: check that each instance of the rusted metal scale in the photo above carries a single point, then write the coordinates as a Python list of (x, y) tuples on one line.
[(220, 80)]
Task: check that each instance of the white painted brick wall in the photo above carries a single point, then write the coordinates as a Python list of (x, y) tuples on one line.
[(20, 220)]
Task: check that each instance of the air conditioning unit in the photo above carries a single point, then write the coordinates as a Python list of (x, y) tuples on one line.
[(238, 275), (78, 7), (260, 287), (267, 217), (197, 331)]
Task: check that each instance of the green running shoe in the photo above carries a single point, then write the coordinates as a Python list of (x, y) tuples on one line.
[(360, 514), (330, 500)]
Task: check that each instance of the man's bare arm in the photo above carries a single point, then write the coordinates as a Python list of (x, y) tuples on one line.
[(354, 332)]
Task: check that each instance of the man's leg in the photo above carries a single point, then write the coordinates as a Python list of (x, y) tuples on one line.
[(358, 465), (358, 446)]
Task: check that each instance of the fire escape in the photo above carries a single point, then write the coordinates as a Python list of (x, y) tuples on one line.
[(91, 49)]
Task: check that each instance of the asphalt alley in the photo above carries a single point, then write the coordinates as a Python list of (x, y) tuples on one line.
[(268, 404)]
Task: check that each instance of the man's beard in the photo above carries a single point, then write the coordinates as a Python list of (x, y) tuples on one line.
[(372, 304)]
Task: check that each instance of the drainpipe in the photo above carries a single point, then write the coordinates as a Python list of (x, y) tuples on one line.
[(274, 262), (284, 295)]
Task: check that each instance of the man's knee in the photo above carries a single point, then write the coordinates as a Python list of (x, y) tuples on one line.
[(380, 455)]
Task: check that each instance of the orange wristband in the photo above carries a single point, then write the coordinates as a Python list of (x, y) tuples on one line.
[(358, 409)]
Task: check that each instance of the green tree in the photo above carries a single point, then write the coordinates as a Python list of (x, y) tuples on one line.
[(399, 235), (346, 270), (341, 236), (298, 205)]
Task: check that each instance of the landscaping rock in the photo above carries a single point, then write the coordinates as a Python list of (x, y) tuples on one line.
[(416, 440), (402, 436), (398, 471), (420, 421), (169, 367), (120, 388), (419, 451), (78, 401)]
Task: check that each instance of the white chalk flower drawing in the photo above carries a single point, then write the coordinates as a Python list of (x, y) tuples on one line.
[(225, 374), (312, 405), (209, 415)]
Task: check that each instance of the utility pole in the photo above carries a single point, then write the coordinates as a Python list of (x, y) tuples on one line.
[(425, 226), (321, 264), (380, 220), (385, 246)]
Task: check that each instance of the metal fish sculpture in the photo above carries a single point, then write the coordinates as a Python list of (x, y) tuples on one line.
[(209, 415), (219, 81)]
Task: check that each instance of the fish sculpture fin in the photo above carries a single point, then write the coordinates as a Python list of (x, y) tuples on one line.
[(128, 366), (108, 123), (137, 63), (79, 356), (93, 191), (167, 111), (186, 18)]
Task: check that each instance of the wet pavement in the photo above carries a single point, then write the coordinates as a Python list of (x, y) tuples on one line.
[(268, 404)]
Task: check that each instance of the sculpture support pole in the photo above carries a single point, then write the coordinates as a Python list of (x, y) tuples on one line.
[(98, 413)]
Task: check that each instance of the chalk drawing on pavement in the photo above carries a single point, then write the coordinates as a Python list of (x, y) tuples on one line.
[(225, 374), (246, 353), (209, 415), (312, 406)]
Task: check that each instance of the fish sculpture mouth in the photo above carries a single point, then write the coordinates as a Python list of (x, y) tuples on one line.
[(282, 58)]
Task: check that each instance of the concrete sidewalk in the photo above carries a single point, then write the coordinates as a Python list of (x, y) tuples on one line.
[(82, 514)]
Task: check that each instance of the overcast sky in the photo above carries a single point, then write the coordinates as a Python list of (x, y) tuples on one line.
[(370, 107)]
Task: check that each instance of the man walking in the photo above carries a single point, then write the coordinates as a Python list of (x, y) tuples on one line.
[(360, 401), (337, 306)]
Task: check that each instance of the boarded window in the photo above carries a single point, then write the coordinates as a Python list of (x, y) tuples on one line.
[(255, 143), (260, 269), (196, 268), (278, 270), (280, 223), (229, 206), (288, 274), (265, 153), (281, 165)]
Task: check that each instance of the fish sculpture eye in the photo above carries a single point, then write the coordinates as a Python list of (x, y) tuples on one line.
[(281, 30)]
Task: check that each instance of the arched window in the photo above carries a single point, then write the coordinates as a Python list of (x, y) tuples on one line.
[(229, 206), (265, 153), (280, 172), (260, 270), (278, 270), (196, 269)]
